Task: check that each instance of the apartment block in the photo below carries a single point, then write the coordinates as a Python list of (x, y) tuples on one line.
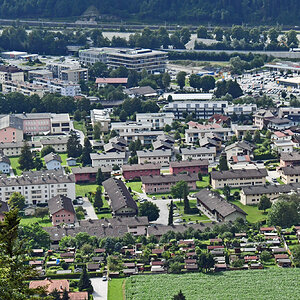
[(290, 174), (24, 88), (102, 117), (108, 159), (162, 157), (199, 153), (75, 75), (11, 73), (158, 120)]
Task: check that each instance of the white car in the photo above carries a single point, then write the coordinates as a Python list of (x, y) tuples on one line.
[(178, 221), (104, 278)]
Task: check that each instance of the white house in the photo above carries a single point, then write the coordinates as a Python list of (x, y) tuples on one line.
[(158, 120), (108, 159)]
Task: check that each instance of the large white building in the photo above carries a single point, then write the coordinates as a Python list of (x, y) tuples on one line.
[(158, 120), (133, 59), (38, 186), (108, 159), (102, 117), (240, 109), (208, 153), (130, 127)]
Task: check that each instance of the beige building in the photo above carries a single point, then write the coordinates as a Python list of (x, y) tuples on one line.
[(239, 149), (161, 157), (11, 149), (290, 174), (24, 88), (58, 143), (11, 73), (75, 75), (108, 159), (102, 117), (238, 178), (260, 117), (208, 153)]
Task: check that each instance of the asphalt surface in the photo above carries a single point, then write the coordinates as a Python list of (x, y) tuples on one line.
[(87, 205), (100, 288)]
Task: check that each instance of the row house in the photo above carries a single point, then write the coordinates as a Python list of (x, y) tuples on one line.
[(162, 157), (135, 171), (89, 174), (290, 174), (199, 153), (108, 159), (193, 166)]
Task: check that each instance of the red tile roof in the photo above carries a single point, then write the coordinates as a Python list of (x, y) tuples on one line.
[(51, 285)]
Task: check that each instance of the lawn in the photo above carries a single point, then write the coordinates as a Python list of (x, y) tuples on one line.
[(204, 183), (79, 126), (32, 220), (15, 165), (82, 189), (135, 186), (104, 214), (254, 215), (64, 157), (116, 289), (265, 284)]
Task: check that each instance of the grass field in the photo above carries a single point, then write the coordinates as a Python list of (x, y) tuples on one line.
[(15, 165), (32, 220), (204, 183), (135, 186), (242, 285), (115, 289), (82, 189), (79, 126), (194, 217)]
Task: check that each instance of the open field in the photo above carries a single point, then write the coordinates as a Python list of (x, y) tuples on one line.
[(193, 217), (115, 289), (82, 189), (15, 165), (248, 285), (32, 220)]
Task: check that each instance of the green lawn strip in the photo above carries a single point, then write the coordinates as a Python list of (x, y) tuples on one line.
[(116, 289), (280, 181), (14, 162), (82, 189), (64, 157), (204, 183), (79, 126), (32, 220), (135, 186)]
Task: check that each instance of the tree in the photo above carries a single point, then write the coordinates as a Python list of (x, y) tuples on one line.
[(226, 192), (41, 212), (179, 296), (84, 283), (26, 160), (99, 177), (283, 94), (218, 33), (86, 151), (264, 203), (265, 256), (180, 189), (200, 176), (46, 150), (79, 213), (167, 128), (292, 39), (296, 255), (195, 81), (16, 200), (186, 204), (74, 149), (97, 131), (180, 78), (175, 268), (166, 79), (223, 165), (202, 32), (65, 295), (273, 35), (55, 295), (34, 236), (149, 210), (207, 83), (98, 202), (257, 138), (38, 163), (171, 211), (248, 136), (123, 115), (206, 261)]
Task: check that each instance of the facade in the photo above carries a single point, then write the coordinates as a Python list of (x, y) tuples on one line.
[(130, 127), (251, 195), (199, 153), (189, 96), (53, 161), (11, 73), (238, 178), (11, 149), (290, 174), (217, 207), (291, 113), (101, 116), (11, 129), (120, 200), (60, 123), (75, 75), (102, 82), (135, 171), (193, 135), (57, 67), (261, 117), (284, 146), (290, 159), (158, 120), (280, 123), (200, 109), (108, 159), (240, 130), (89, 174), (193, 166), (25, 88), (240, 109), (4, 164), (133, 59), (58, 143), (38, 186), (162, 157), (240, 148), (163, 183), (40, 74), (61, 210), (146, 137)]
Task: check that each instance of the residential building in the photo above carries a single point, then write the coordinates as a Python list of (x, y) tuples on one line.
[(158, 120), (11, 73), (128, 127), (40, 74), (290, 174), (38, 186), (57, 67), (199, 153), (251, 195), (261, 117), (161, 145), (240, 130), (146, 137), (161, 157), (133, 59), (24, 88), (75, 75), (163, 183), (239, 148), (141, 91), (214, 205), (89, 174), (219, 119), (193, 166), (290, 159), (120, 200), (280, 123), (4, 164), (240, 109), (59, 143), (60, 123), (286, 135), (53, 161), (199, 109), (136, 171), (61, 210), (11, 149), (102, 82), (3, 209), (102, 117), (284, 146), (11, 129), (51, 285), (211, 140), (108, 159), (240, 162), (113, 147), (189, 96), (238, 178), (291, 113)]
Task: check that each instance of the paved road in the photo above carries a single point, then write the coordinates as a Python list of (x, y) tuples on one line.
[(79, 132), (100, 288), (87, 205)]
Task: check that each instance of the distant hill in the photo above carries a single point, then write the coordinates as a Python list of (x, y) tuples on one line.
[(182, 11)]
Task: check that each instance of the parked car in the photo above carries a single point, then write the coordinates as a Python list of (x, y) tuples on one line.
[(153, 198), (104, 278)]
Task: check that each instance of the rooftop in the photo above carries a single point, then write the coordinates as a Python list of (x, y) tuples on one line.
[(60, 202), (169, 178), (236, 174)]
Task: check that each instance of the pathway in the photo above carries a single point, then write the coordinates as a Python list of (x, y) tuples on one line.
[(87, 205), (100, 288)]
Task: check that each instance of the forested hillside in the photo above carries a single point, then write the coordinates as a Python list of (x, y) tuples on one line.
[(187, 11)]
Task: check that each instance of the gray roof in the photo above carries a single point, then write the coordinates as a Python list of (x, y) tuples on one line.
[(294, 156), (4, 158), (291, 170), (54, 140), (60, 202), (109, 155), (167, 138), (242, 144), (11, 121), (139, 167), (140, 91), (201, 150), (3, 207), (91, 170), (279, 120), (52, 156), (118, 140), (235, 174), (154, 153), (11, 145), (187, 163), (215, 203), (161, 144), (118, 194), (270, 189), (114, 147), (169, 178)]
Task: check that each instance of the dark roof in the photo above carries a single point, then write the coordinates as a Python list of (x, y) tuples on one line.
[(192, 163), (115, 147), (279, 120), (118, 140), (293, 156), (91, 170), (140, 91), (3, 207), (4, 158), (118, 194), (169, 178), (54, 140), (242, 144), (167, 138), (270, 189), (52, 156), (10, 69), (141, 167), (154, 153), (291, 170), (60, 202), (214, 202), (160, 144), (235, 174)]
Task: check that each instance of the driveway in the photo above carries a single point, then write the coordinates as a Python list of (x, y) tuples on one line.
[(79, 132), (87, 205), (272, 175), (100, 288)]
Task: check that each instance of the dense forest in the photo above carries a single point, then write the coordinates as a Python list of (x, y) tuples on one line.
[(188, 11)]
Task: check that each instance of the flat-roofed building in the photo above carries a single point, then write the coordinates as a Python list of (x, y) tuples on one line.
[(162, 157), (158, 120), (130, 127), (240, 109), (75, 75), (40, 74), (189, 96), (240, 130), (146, 137), (102, 82), (25, 88), (238, 178), (102, 117), (11, 73)]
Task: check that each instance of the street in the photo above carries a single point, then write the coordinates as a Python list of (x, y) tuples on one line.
[(87, 205), (79, 133), (100, 288)]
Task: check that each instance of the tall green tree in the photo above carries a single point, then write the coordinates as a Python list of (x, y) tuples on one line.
[(74, 148), (99, 177), (180, 189), (223, 165), (180, 77), (84, 283), (248, 136), (264, 203), (16, 200), (98, 202), (171, 211), (179, 296), (65, 295), (86, 151), (149, 210), (186, 204), (26, 159)]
